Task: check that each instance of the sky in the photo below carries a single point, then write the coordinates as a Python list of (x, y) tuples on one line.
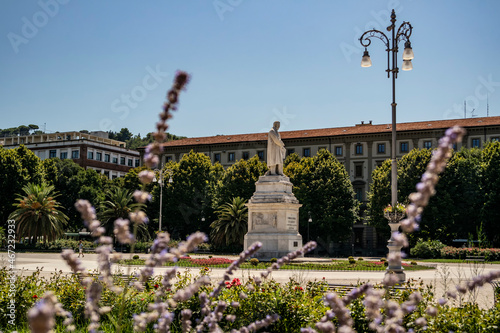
[(69, 65)]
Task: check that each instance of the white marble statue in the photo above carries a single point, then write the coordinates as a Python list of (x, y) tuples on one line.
[(276, 151)]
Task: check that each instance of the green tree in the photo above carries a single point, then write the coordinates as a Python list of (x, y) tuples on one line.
[(491, 190), (18, 167), (119, 203), (38, 213), (410, 169), (322, 186), (231, 224), (452, 213), (186, 200), (238, 181)]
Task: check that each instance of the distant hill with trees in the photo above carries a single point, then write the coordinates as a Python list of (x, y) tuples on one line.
[(132, 141)]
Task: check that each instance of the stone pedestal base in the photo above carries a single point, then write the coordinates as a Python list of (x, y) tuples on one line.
[(273, 218), (274, 245)]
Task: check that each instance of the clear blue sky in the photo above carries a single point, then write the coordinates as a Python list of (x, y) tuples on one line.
[(73, 64)]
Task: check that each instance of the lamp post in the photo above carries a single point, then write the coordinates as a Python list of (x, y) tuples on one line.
[(403, 33), (160, 182), (309, 221)]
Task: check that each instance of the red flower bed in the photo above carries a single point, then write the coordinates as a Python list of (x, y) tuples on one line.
[(211, 261)]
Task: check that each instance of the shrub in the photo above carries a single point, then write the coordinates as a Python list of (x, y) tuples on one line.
[(273, 260), (414, 263), (351, 260), (360, 259), (427, 249), (386, 263), (135, 257), (254, 261), (383, 259)]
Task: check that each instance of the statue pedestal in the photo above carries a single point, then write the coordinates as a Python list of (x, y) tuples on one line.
[(273, 217)]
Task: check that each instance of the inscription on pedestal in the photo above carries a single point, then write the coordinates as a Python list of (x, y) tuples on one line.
[(291, 222)]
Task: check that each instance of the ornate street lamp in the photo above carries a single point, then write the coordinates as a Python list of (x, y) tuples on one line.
[(402, 33), (160, 182)]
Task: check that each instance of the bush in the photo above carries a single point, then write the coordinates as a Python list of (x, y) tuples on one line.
[(414, 263), (383, 259), (135, 257), (273, 260), (449, 252), (386, 263), (254, 261), (427, 249), (360, 259)]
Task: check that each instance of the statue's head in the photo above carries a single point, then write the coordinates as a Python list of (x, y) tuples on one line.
[(276, 125)]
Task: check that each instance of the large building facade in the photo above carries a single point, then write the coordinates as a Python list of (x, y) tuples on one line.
[(361, 148), (90, 151)]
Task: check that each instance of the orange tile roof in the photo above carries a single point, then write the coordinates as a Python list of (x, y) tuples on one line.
[(351, 130)]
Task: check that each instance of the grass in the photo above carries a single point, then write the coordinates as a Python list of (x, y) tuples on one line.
[(335, 265)]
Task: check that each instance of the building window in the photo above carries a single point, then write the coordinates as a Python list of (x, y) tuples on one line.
[(246, 155), (217, 158), (427, 144), (454, 146), (260, 154), (404, 147), (359, 149), (122, 160), (115, 160), (381, 148), (98, 156), (307, 152), (90, 155), (231, 157), (52, 153), (63, 155), (130, 162), (290, 151), (359, 193), (495, 139), (379, 163), (75, 154), (338, 151), (137, 162), (358, 170), (169, 158), (106, 158), (476, 143)]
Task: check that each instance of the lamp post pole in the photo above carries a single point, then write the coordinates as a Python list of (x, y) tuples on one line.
[(403, 33), (309, 221), (161, 194)]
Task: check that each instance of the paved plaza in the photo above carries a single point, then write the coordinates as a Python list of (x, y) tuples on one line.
[(26, 263)]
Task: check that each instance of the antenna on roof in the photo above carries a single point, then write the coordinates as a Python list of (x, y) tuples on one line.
[(472, 115), (465, 109), (487, 106)]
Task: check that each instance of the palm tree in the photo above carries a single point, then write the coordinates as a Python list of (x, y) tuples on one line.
[(38, 213), (119, 203), (231, 224)]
